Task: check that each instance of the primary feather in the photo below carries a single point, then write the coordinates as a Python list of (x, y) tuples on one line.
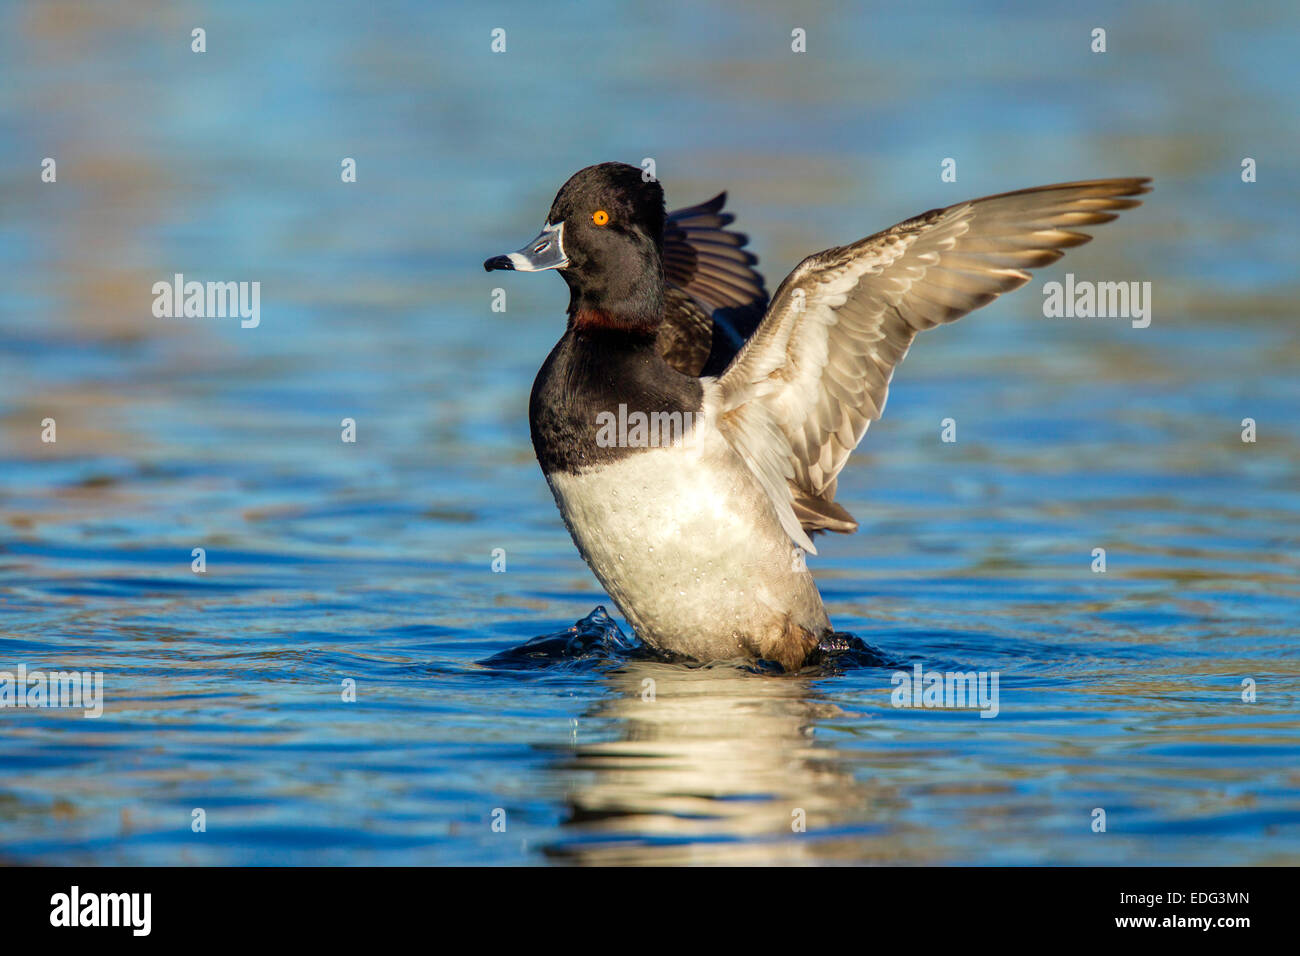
[(799, 395)]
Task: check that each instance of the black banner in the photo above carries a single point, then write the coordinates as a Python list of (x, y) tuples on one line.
[(333, 906)]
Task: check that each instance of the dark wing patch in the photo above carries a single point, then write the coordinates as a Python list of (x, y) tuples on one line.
[(686, 338), (710, 275)]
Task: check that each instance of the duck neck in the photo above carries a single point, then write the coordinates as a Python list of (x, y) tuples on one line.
[(619, 300)]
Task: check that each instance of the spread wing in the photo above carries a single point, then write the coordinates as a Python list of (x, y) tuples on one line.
[(716, 296), (798, 397)]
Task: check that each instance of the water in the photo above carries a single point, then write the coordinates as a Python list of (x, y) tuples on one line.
[(372, 562)]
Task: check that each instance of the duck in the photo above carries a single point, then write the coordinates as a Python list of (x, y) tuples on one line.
[(699, 529)]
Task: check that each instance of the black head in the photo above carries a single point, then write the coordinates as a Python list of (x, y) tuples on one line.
[(604, 234)]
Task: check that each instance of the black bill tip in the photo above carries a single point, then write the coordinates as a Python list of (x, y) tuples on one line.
[(498, 262)]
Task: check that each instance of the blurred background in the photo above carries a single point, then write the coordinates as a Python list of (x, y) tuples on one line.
[(372, 560)]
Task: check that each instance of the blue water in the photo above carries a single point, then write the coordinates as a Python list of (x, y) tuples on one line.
[(372, 562)]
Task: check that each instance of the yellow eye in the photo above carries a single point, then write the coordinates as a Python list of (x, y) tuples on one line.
[(600, 217)]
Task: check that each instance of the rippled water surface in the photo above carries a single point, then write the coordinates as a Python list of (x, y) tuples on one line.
[(372, 562)]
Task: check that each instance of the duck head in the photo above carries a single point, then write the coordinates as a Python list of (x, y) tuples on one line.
[(605, 235)]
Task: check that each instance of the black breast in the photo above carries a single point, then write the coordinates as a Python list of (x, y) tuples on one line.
[(595, 379)]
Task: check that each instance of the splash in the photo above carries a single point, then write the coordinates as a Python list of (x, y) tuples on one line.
[(597, 639), (842, 651), (594, 639)]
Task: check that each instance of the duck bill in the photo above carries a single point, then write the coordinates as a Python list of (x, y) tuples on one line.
[(544, 252)]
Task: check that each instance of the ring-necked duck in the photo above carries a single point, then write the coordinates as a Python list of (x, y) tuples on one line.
[(692, 433)]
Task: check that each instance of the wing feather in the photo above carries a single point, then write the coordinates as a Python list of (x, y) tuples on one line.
[(716, 296), (800, 394)]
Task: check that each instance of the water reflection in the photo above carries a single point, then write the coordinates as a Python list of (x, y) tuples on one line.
[(714, 764)]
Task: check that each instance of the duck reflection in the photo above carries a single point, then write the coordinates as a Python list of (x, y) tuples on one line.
[(715, 764)]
